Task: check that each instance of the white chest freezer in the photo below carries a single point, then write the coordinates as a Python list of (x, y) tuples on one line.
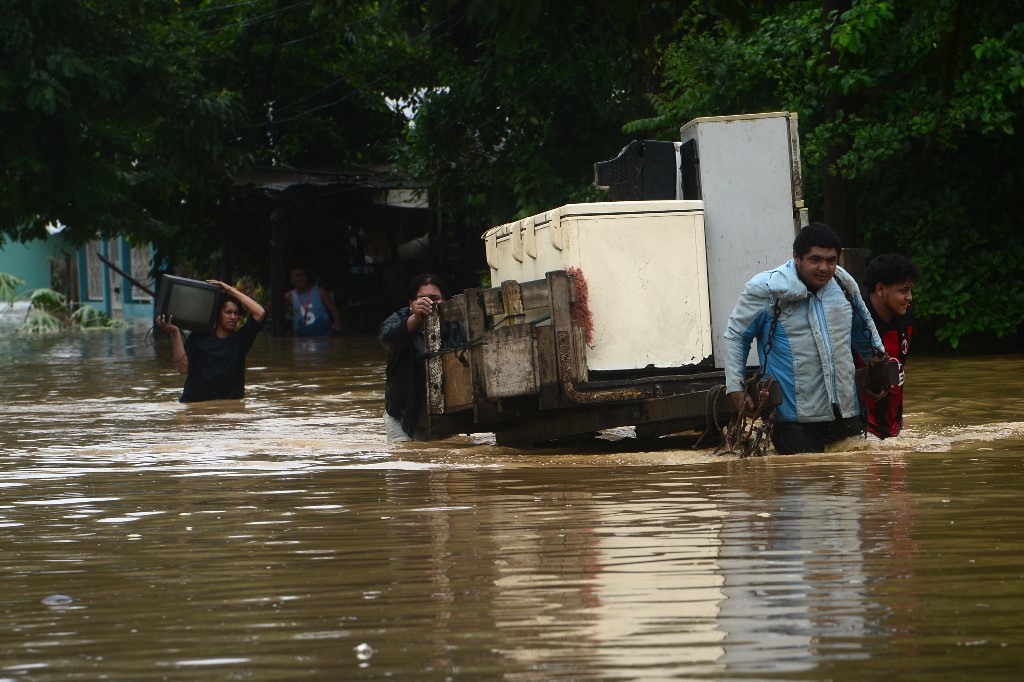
[(645, 268)]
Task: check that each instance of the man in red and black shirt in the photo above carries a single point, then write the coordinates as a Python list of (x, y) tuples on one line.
[(889, 286)]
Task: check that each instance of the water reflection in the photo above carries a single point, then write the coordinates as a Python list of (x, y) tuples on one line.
[(281, 537), (634, 584)]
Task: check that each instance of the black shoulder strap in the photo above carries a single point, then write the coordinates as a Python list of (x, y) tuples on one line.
[(859, 313)]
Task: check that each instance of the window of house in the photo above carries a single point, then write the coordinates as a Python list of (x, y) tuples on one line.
[(141, 263), (94, 271)]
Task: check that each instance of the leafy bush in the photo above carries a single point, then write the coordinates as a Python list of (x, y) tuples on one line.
[(87, 317), (39, 321), (49, 311), (9, 287)]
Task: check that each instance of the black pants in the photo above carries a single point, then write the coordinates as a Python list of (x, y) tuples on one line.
[(793, 437)]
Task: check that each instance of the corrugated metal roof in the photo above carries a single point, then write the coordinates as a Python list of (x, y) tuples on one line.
[(279, 178)]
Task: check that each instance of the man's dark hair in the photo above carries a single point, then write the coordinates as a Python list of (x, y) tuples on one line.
[(420, 280), (228, 298), (817, 234), (889, 269)]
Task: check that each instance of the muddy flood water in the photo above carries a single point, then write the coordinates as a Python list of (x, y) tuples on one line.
[(281, 538)]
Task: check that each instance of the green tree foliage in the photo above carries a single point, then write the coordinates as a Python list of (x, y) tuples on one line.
[(130, 116), (107, 126), (9, 287), (316, 82), (927, 125), (313, 77), (527, 95)]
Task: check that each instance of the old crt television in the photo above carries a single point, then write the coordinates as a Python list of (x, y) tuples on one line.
[(192, 304), (643, 170)]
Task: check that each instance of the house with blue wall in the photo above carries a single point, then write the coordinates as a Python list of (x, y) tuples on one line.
[(99, 274)]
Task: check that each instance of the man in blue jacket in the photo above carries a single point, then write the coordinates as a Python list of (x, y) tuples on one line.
[(808, 317)]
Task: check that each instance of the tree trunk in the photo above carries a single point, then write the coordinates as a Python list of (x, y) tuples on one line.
[(227, 264), (278, 274), (839, 194)]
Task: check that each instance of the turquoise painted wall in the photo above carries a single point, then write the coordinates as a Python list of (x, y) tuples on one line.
[(30, 261)]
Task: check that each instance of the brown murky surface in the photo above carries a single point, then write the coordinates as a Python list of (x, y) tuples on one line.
[(282, 538)]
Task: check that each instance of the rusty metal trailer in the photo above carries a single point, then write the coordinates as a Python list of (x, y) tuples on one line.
[(527, 380)]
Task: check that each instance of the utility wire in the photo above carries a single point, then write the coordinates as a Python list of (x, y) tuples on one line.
[(252, 21)]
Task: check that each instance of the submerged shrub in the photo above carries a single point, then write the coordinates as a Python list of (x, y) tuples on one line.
[(49, 311)]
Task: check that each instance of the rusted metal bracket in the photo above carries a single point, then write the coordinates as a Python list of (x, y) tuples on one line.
[(435, 365), (572, 390), (512, 301)]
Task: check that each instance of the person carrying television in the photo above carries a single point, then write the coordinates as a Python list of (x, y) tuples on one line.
[(215, 362)]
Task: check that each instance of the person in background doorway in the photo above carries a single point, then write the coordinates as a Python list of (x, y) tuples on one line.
[(313, 309), (889, 286), (805, 314), (215, 362), (401, 335)]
